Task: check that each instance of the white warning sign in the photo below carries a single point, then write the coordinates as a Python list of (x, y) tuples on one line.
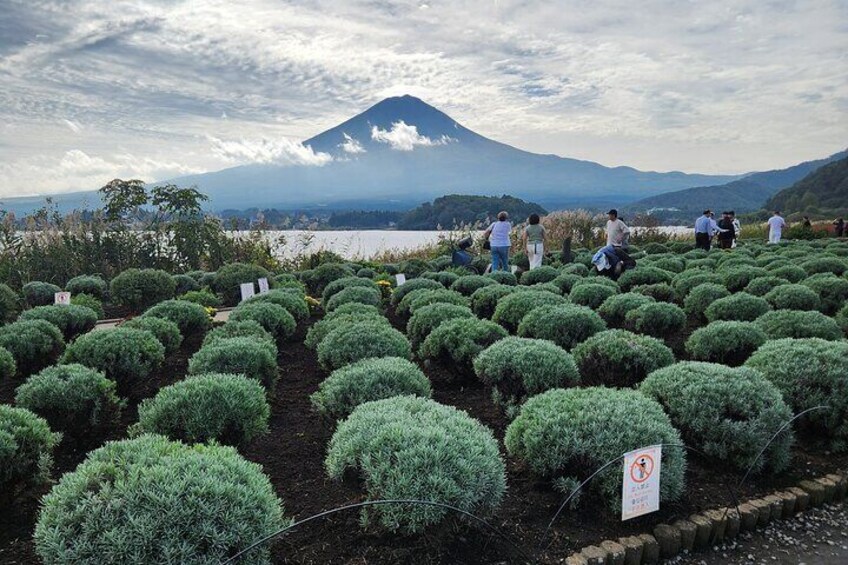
[(247, 290), (640, 491), (63, 298), (400, 279)]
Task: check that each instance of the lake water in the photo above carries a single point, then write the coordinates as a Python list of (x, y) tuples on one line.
[(366, 244)]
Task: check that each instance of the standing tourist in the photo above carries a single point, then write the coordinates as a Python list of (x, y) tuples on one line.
[(776, 224), (498, 236), (726, 232), (533, 238), (737, 227), (704, 227), (839, 227), (617, 230)]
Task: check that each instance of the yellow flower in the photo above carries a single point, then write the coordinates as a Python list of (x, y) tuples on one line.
[(384, 283)]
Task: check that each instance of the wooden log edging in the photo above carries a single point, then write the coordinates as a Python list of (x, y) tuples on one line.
[(706, 529)]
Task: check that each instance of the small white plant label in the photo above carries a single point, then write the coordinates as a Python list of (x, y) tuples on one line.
[(63, 298), (247, 290), (263, 285), (640, 489), (400, 278)]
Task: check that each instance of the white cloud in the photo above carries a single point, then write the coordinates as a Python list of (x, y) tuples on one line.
[(351, 145), (73, 126), (268, 151), (405, 137)]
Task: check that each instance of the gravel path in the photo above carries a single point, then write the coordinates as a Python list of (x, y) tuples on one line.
[(817, 537)]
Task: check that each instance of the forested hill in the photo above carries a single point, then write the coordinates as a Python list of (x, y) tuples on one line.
[(455, 210), (821, 193)]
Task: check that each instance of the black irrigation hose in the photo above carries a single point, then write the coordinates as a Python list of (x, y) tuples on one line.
[(733, 494), (367, 503), (777, 433)]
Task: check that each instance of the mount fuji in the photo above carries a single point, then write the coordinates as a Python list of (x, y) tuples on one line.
[(402, 152)]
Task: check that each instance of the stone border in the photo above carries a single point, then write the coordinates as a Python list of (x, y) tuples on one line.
[(702, 531)]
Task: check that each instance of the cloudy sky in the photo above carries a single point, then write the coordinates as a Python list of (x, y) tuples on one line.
[(96, 89)]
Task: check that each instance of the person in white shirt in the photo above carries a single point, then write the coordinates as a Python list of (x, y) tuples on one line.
[(617, 231), (737, 227), (776, 225)]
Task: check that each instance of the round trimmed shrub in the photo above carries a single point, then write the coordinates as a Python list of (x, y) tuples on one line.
[(566, 281), (562, 432), (289, 298), (423, 297), (798, 324), (228, 409), (445, 278), (202, 297), (362, 295), (763, 285), (413, 267), (700, 298), (792, 273), (244, 328), (427, 318), (185, 283), (793, 297), (166, 331), (728, 413), (319, 330), (566, 325), (503, 277), (643, 275), (657, 319), (824, 264), (684, 282), (591, 295), (742, 307), (842, 318), (810, 372), (661, 292), (620, 358), (10, 304), (339, 285), (191, 318), (469, 283), (229, 278), (460, 340), (832, 290), (26, 449), (38, 293), (366, 273), (550, 287), (91, 285), (513, 307), (366, 380), (597, 279), (726, 342), (139, 289), (411, 285), (541, 274), (578, 269), (34, 344), (72, 398), (615, 308), (237, 356), (737, 278), (89, 302), (71, 320), (353, 308), (126, 356), (275, 319), (319, 278), (151, 500), (8, 368), (671, 263), (485, 300), (517, 368), (413, 448), (349, 343)]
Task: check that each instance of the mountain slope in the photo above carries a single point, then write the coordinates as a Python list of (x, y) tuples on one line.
[(744, 195), (824, 191)]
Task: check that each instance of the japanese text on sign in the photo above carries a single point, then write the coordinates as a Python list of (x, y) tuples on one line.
[(640, 491)]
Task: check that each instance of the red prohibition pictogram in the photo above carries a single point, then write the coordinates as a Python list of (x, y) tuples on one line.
[(642, 468)]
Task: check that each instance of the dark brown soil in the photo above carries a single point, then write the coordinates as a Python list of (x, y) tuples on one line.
[(292, 456)]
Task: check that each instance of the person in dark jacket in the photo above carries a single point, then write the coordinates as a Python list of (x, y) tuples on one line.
[(727, 231), (839, 227)]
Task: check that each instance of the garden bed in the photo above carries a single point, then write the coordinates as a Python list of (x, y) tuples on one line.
[(292, 455)]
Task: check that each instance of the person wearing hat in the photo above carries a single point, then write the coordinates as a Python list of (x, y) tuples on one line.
[(617, 230), (705, 226)]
